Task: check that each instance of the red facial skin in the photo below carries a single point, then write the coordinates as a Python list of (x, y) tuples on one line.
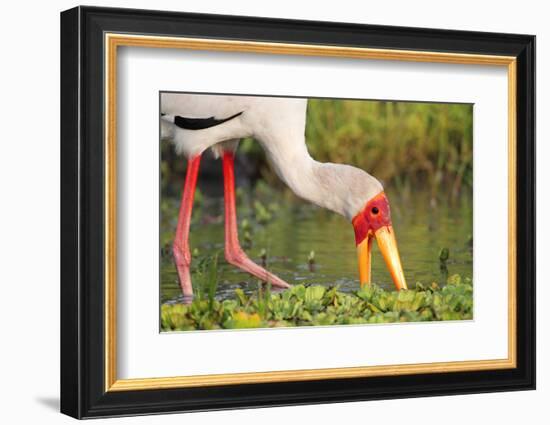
[(375, 215)]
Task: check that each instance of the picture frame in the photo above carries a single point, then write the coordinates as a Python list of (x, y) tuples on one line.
[(90, 40)]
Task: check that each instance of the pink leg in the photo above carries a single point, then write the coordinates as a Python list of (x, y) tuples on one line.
[(233, 252), (180, 248)]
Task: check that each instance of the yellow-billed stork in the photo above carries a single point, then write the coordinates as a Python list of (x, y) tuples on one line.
[(196, 122)]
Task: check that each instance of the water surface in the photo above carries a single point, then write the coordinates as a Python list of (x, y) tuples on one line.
[(423, 224)]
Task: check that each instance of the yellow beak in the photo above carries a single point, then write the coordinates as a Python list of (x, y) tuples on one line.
[(385, 237)]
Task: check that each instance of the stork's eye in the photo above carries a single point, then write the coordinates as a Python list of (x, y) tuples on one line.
[(374, 210)]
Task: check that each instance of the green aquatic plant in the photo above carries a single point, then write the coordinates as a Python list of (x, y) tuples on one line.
[(247, 239), (262, 213), (206, 280), (443, 255), (245, 225), (317, 305), (443, 258), (263, 257), (311, 261)]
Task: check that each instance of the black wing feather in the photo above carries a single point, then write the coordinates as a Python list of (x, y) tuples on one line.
[(200, 123)]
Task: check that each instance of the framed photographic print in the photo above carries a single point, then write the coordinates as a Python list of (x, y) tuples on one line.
[(261, 212)]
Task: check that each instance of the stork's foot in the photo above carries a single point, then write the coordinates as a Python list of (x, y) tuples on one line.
[(238, 258)]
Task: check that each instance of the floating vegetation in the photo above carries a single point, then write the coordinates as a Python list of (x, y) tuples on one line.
[(319, 306)]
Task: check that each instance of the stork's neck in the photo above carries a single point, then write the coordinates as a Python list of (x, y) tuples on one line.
[(331, 186), (323, 184)]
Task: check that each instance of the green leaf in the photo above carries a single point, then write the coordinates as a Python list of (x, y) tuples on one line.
[(455, 279), (241, 297), (242, 320)]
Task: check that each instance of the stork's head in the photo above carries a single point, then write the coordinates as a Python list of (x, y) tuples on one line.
[(373, 221), (360, 198)]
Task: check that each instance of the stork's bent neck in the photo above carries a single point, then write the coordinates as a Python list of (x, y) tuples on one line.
[(324, 184)]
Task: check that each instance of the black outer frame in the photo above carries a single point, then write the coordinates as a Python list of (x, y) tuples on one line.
[(82, 206)]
